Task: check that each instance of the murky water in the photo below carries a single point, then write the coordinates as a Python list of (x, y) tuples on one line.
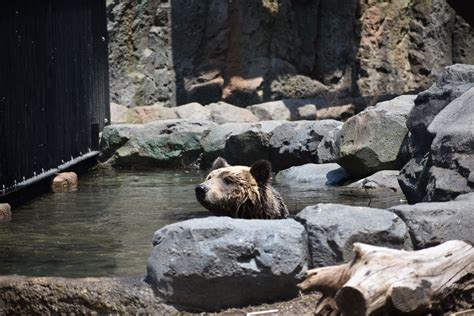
[(106, 227)]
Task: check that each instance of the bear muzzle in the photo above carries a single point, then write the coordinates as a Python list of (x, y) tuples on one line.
[(201, 191)]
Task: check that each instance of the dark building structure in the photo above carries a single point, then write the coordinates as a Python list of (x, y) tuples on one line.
[(54, 95)]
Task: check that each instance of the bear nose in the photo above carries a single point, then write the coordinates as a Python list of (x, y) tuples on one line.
[(201, 190)]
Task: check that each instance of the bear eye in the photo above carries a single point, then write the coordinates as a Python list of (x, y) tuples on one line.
[(227, 180)]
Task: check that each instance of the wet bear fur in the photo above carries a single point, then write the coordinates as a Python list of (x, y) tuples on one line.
[(241, 191)]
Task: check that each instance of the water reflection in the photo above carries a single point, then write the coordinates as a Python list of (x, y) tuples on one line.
[(105, 228)]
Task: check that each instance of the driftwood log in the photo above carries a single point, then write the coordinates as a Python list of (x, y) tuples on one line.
[(386, 281)]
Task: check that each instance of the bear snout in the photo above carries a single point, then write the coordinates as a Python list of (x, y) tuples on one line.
[(201, 191)]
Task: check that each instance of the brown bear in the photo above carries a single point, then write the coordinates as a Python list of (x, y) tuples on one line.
[(241, 192)]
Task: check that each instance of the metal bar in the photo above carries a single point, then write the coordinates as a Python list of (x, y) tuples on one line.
[(49, 173)]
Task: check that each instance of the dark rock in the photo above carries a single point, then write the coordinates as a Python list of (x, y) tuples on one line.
[(238, 143), (413, 178), (452, 150), (453, 82), (296, 143), (445, 184), (21, 295), (372, 140), (433, 223), (463, 50), (217, 262), (334, 228), (247, 147), (160, 144), (316, 176), (460, 6)]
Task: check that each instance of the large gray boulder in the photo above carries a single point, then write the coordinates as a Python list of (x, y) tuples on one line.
[(238, 143), (316, 176), (296, 143), (289, 110), (372, 140), (222, 112), (452, 149), (453, 82), (160, 144), (433, 223), (334, 228), (217, 262)]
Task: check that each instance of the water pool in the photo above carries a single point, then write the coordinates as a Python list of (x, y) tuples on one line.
[(106, 227)]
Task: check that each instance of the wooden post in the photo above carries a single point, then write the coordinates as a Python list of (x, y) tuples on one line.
[(5, 212), (64, 182)]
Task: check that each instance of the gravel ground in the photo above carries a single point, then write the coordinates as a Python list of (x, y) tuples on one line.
[(302, 305)]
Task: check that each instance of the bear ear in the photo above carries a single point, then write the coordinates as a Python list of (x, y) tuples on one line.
[(219, 163), (261, 170)]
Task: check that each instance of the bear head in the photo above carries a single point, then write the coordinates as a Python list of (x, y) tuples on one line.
[(241, 191)]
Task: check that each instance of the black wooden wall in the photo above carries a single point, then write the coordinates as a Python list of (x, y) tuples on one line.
[(54, 95)]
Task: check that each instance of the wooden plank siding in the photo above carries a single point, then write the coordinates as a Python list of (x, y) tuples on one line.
[(54, 88)]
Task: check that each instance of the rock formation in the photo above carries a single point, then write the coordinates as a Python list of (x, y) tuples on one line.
[(180, 51)]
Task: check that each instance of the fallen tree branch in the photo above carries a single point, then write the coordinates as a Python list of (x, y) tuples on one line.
[(387, 280)]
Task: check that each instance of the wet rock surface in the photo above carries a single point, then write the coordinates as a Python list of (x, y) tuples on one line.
[(333, 228), (245, 261), (372, 140), (433, 223)]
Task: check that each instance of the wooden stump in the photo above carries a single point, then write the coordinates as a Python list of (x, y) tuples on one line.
[(5, 212), (64, 182), (381, 280)]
